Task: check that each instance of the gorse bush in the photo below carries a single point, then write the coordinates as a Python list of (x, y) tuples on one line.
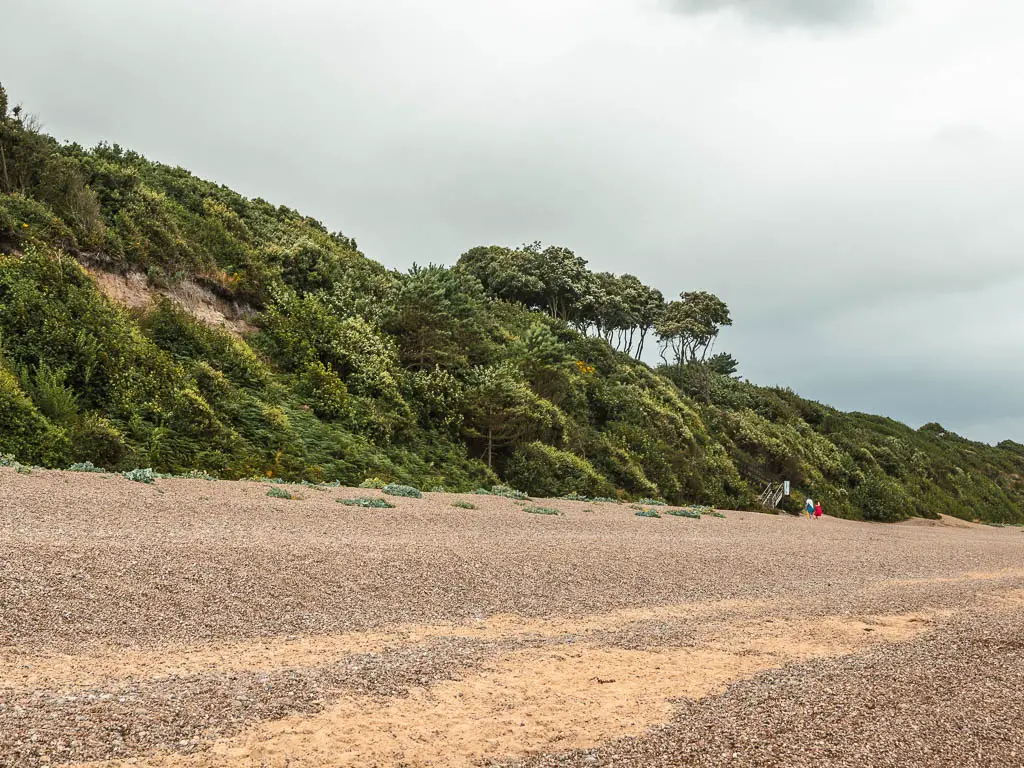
[(517, 367)]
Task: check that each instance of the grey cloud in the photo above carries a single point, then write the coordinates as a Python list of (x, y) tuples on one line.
[(815, 13)]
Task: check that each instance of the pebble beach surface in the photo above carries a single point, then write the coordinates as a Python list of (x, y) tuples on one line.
[(205, 623)]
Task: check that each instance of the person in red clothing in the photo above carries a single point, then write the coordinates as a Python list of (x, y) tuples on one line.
[(817, 510)]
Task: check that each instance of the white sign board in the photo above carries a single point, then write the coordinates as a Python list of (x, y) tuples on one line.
[(785, 487)]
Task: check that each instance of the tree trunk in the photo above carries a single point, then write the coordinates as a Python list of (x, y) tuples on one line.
[(3, 161)]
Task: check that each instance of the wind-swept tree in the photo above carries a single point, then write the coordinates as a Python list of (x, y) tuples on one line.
[(688, 328)]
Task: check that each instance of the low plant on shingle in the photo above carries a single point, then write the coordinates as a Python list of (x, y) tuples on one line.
[(279, 493), (394, 489), (508, 493), (464, 505), (372, 482), (648, 513), (541, 511), (653, 502), (691, 513), (367, 502), (140, 475), (85, 466), (193, 474)]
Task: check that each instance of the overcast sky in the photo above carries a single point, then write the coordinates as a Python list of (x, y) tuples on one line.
[(848, 175)]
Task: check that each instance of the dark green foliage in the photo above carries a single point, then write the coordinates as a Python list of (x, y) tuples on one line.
[(464, 505), (367, 502), (518, 365), (393, 489), (24, 431), (279, 493), (549, 472), (883, 499)]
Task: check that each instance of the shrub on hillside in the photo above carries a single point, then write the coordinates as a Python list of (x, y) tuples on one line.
[(546, 471), (881, 498), (24, 431)]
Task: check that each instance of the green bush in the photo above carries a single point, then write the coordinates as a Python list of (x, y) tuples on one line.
[(373, 482), (279, 493), (647, 513), (24, 431), (367, 502), (882, 499), (394, 489), (549, 472), (464, 505)]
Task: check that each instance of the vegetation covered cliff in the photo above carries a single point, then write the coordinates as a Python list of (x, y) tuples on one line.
[(517, 365)]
